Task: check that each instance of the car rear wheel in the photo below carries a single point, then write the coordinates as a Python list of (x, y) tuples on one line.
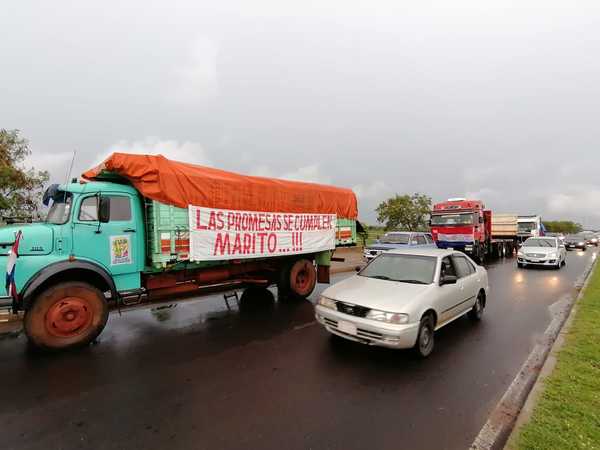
[(425, 338), (477, 311)]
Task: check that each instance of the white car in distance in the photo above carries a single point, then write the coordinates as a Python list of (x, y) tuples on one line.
[(403, 296), (542, 251)]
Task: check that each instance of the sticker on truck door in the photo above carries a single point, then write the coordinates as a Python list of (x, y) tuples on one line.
[(120, 250)]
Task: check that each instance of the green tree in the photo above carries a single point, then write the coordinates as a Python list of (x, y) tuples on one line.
[(20, 187), (406, 212), (562, 226)]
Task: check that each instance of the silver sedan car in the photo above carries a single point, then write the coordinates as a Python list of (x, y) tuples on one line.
[(403, 296)]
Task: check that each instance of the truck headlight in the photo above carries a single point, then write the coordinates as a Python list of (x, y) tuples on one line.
[(326, 302), (388, 317)]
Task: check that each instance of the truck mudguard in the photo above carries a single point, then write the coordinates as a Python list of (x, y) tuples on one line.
[(64, 266)]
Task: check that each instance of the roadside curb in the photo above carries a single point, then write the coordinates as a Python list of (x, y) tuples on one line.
[(501, 422)]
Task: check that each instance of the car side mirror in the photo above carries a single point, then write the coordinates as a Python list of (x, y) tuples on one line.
[(104, 210), (448, 279)]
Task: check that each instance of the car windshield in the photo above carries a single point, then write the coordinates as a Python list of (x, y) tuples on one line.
[(394, 238), (60, 209), (526, 227), (414, 269), (539, 242), (452, 219)]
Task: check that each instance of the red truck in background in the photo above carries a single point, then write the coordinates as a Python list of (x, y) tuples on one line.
[(467, 226), (464, 225)]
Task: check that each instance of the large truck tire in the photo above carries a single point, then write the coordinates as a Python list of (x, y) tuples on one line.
[(297, 279), (67, 315)]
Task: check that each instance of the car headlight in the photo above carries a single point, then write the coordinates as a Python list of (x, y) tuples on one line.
[(580, 243), (326, 302), (520, 253), (552, 255), (388, 317)]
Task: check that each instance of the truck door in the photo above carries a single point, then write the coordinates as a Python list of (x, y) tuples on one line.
[(113, 243)]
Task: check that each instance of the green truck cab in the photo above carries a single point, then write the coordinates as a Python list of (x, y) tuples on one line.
[(104, 246)]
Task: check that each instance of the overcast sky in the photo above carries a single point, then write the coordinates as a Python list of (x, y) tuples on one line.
[(493, 100)]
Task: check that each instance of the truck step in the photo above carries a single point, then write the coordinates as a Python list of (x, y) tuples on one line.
[(6, 315), (231, 295)]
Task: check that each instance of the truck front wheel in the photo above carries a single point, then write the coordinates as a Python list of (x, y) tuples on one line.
[(66, 315), (298, 279)]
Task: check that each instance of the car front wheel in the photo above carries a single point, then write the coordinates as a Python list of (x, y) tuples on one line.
[(425, 340)]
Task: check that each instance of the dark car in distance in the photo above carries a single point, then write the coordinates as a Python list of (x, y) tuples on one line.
[(575, 241)]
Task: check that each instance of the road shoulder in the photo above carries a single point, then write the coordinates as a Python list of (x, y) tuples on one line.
[(562, 409), (499, 426)]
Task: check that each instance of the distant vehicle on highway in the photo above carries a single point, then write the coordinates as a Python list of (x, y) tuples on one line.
[(466, 225), (590, 238), (542, 251), (575, 241), (403, 296), (398, 239), (530, 226)]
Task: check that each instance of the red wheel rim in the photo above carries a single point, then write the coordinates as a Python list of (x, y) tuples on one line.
[(302, 276), (69, 317)]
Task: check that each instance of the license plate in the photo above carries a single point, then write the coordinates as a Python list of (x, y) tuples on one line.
[(347, 327)]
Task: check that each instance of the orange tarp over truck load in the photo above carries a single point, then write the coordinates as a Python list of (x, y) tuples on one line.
[(182, 184)]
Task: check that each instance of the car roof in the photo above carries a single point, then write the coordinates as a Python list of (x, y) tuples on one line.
[(424, 251)]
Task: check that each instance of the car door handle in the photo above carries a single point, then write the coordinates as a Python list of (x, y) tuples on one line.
[(129, 230)]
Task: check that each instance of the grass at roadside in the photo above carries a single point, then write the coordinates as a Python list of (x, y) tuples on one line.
[(567, 415)]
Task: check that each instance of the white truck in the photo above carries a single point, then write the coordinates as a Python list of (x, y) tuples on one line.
[(529, 226)]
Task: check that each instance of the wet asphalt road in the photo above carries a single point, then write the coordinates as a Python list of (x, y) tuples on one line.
[(199, 377)]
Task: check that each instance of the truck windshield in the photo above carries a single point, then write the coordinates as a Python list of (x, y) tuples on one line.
[(526, 227), (452, 219), (413, 269), (394, 238), (61, 208)]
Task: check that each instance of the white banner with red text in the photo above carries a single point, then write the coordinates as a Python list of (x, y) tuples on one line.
[(230, 234)]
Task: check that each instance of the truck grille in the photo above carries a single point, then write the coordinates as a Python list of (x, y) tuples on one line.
[(352, 310)]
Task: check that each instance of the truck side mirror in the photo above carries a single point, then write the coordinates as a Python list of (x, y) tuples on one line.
[(480, 219), (104, 209)]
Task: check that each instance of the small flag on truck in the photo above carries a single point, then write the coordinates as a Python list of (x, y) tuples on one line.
[(11, 287)]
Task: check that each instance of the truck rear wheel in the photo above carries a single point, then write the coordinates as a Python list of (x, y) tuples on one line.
[(298, 279), (67, 315)]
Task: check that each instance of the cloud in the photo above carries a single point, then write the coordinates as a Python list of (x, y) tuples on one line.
[(311, 174), (582, 201), (57, 164), (196, 79), (374, 190), (187, 151)]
